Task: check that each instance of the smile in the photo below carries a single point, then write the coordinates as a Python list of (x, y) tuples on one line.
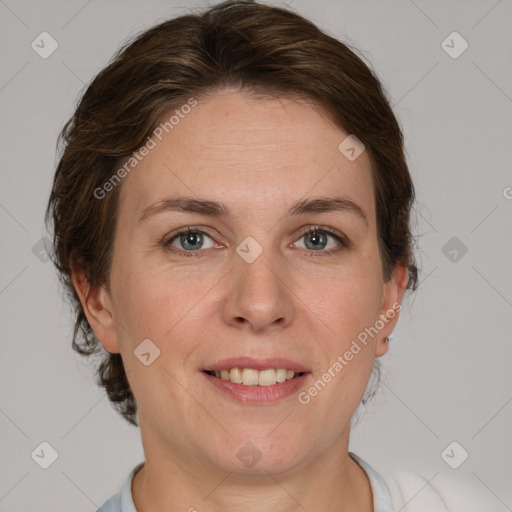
[(253, 377)]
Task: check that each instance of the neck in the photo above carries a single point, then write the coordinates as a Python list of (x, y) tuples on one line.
[(174, 482)]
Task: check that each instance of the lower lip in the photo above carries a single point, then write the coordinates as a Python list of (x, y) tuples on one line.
[(258, 394)]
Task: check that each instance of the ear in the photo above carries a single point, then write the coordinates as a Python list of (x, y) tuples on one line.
[(97, 307), (391, 305)]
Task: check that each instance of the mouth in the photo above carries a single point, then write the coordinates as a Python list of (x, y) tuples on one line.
[(252, 380), (254, 377)]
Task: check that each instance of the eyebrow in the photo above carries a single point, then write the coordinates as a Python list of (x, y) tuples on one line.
[(218, 209)]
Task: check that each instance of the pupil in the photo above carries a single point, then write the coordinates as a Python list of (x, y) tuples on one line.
[(317, 239), (191, 239)]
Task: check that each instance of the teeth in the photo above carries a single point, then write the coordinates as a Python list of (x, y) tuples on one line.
[(252, 377), (249, 377), (280, 375), (267, 378), (235, 375)]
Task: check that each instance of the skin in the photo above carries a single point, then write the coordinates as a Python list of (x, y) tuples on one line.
[(258, 156)]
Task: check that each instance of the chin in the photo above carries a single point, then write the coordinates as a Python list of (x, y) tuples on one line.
[(261, 456)]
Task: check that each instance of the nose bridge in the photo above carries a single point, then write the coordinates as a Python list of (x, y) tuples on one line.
[(256, 271), (257, 292), (259, 273)]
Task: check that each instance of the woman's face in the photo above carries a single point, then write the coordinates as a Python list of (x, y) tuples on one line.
[(248, 287)]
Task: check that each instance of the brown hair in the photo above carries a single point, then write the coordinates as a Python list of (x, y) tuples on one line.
[(241, 44)]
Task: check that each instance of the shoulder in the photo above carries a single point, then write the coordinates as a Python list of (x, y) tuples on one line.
[(412, 492), (111, 505), (122, 502)]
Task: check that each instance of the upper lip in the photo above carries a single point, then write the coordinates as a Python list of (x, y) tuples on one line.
[(256, 364)]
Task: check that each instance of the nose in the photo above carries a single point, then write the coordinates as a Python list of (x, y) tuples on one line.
[(259, 295)]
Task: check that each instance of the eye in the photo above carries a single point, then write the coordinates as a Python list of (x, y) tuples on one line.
[(319, 241), (323, 240), (189, 240)]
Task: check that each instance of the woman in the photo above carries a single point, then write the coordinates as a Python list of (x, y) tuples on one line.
[(231, 218)]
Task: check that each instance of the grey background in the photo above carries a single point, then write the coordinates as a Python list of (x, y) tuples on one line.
[(447, 376)]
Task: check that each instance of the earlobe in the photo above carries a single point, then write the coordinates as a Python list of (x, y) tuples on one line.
[(391, 305), (382, 346), (97, 307)]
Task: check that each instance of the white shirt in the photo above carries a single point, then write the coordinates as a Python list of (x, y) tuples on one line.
[(403, 492)]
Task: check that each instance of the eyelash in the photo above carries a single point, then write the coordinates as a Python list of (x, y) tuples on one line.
[(343, 241)]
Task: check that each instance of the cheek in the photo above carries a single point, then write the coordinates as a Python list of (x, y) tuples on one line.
[(144, 306), (345, 304), (163, 306)]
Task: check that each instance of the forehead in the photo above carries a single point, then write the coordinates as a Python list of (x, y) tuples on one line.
[(254, 153)]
